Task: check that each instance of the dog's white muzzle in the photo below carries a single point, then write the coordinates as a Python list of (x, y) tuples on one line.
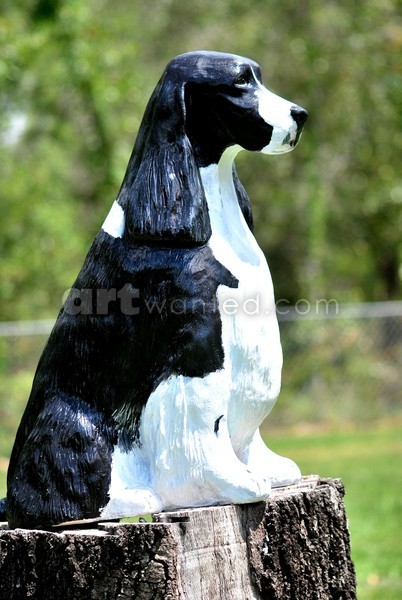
[(277, 112)]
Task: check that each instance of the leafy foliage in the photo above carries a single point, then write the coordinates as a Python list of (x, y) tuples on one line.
[(75, 80)]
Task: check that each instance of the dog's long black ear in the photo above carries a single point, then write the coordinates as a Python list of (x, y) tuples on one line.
[(243, 200), (162, 194)]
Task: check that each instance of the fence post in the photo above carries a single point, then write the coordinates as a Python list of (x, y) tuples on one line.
[(296, 545)]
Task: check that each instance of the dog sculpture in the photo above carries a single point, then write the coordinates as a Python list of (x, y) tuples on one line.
[(159, 370)]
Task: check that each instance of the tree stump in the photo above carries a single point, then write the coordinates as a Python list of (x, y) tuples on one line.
[(294, 546)]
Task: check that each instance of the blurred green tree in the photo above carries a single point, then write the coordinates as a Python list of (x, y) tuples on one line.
[(75, 80)]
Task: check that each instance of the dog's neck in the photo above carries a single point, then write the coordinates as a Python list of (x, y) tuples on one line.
[(217, 180), (227, 221)]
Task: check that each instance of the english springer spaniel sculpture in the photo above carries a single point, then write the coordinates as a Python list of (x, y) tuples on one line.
[(161, 367)]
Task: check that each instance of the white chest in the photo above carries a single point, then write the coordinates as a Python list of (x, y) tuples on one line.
[(253, 354)]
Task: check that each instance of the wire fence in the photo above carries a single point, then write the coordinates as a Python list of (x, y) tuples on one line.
[(342, 363)]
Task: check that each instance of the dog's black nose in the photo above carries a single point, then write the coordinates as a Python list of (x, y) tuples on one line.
[(299, 115)]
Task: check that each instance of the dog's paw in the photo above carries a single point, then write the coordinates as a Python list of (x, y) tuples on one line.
[(247, 490), (132, 503), (242, 487), (282, 471), (232, 486), (262, 461)]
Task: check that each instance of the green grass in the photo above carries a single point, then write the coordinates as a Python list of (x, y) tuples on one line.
[(369, 463)]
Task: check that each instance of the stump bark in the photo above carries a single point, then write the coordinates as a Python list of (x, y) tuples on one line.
[(294, 546)]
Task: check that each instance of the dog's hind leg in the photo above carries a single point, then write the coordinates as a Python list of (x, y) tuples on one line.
[(61, 472)]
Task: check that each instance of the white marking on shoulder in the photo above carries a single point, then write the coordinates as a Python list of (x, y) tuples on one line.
[(115, 222)]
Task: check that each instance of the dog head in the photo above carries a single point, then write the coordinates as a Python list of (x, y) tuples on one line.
[(226, 104), (204, 103)]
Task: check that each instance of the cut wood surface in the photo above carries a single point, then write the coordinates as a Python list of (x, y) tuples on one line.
[(294, 546)]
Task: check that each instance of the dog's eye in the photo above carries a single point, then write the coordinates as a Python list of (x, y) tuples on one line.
[(244, 78)]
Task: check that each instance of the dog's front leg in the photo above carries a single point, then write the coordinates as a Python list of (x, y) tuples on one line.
[(185, 436), (261, 460)]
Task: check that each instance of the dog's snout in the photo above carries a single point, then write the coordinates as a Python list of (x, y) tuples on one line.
[(299, 114)]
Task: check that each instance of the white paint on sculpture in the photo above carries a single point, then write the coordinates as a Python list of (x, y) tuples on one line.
[(115, 221)]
